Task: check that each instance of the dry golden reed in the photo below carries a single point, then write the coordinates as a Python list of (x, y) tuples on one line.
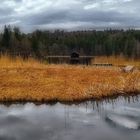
[(117, 61), (33, 81)]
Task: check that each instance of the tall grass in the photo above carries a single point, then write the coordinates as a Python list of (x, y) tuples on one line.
[(18, 62), (117, 61), (31, 80)]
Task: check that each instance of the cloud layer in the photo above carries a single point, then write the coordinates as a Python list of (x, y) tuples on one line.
[(70, 15)]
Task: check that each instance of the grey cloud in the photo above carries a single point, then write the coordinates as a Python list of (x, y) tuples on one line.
[(86, 14), (44, 18), (5, 12)]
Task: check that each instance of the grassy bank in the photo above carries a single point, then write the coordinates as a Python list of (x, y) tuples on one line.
[(32, 81)]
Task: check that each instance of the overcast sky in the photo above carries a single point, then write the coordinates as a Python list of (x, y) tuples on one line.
[(70, 14)]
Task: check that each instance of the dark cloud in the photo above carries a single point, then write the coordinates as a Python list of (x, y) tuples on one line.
[(5, 12), (74, 14)]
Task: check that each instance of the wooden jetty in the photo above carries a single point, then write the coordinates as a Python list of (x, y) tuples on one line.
[(85, 60), (74, 58)]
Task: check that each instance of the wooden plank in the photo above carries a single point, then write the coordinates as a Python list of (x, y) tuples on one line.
[(69, 56), (102, 64)]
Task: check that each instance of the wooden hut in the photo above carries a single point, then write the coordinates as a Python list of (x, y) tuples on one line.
[(74, 59)]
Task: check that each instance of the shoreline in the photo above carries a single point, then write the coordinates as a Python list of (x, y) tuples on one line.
[(76, 102)]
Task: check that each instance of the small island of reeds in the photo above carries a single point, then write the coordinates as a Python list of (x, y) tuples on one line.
[(33, 81)]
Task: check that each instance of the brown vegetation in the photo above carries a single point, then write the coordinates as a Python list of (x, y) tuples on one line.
[(32, 81), (117, 61)]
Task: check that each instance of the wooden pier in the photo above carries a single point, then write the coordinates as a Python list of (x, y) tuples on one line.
[(83, 60)]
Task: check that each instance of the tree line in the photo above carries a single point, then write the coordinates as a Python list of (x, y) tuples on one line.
[(40, 44)]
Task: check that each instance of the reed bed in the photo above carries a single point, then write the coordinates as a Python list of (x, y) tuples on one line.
[(17, 62), (117, 61), (33, 81)]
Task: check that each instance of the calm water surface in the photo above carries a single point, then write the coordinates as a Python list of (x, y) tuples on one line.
[(117, 119)]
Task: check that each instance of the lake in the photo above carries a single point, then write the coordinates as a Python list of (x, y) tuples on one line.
[(111, 119)]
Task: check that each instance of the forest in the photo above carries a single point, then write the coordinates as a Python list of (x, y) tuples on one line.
[(40, 44)]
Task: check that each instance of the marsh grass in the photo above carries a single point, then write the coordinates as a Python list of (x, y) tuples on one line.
[(17, 62), (117, 61), (33, 81)]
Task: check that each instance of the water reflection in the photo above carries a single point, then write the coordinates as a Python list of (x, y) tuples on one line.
[(109, 119)]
